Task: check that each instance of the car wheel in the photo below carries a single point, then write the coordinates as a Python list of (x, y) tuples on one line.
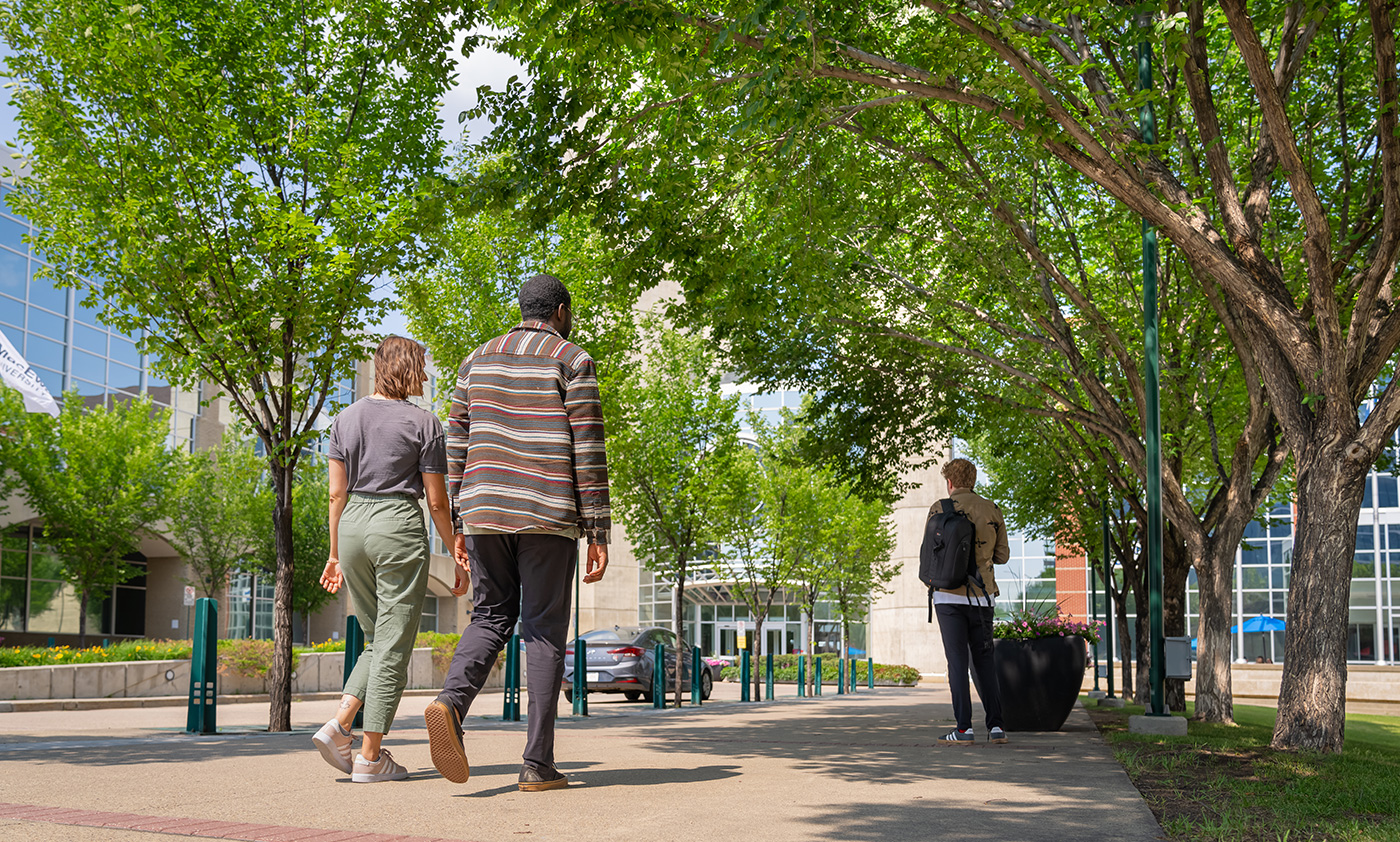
[(706, 684), (632, 695), (569, 694), (647, 697)]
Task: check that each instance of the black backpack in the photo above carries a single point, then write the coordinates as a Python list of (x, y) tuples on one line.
[(946, 559)]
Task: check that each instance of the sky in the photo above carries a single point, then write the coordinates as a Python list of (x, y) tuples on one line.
[(484, 67)]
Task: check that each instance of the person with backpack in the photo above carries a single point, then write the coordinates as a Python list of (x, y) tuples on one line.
[(964, 538)]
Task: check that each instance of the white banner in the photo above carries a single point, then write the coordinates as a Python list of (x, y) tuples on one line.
[(17, 374)]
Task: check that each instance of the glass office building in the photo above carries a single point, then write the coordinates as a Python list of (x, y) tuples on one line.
[(69, 349), (1263, 573)]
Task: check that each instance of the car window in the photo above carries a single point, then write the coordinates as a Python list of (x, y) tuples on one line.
[(609, 635)]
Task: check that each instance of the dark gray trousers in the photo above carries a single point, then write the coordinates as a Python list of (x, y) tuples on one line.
[(967, 634), (528, 578)]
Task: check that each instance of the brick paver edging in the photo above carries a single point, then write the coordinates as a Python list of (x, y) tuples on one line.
[(202, 828)]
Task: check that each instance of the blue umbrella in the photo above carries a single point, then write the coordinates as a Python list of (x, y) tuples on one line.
[(1260, 624)]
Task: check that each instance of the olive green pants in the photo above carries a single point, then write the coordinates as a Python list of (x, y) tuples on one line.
[(384, 559)]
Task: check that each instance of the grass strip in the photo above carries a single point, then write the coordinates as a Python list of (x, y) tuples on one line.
[(1224, 782)]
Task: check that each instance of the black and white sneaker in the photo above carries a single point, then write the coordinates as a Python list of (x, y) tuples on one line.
[(957, 737), (997, 736)]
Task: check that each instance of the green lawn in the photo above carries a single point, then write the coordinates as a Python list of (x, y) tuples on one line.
[(1224, 782)]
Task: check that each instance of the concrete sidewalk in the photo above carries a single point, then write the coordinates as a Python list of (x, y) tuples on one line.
[(856, 767)]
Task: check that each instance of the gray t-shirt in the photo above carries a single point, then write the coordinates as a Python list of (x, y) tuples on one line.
[(385, 445)]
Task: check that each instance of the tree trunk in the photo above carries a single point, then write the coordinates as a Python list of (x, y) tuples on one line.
[(1142, 690), (82, 618), (279, 676), (1312, 700), (1176, 567), (1215, 573), (678, 624), (1124, 649)]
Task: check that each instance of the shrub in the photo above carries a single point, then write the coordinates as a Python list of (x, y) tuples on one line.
[(248, 658), (122, 650), (785, 669)]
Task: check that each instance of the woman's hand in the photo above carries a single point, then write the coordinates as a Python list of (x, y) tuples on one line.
[(331, 578)]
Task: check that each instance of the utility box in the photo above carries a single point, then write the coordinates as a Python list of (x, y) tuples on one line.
[(1177, 657)]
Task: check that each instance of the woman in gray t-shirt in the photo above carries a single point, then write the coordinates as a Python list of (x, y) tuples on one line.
[(385, 456)]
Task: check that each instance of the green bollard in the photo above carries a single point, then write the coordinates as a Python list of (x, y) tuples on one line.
[(354, 647), (204, 668), (745, 676), (697, 694), (801, 676), (817, 675), (580, 677), (851, 673), (870, 673), (658, 677), (510, 711), (768, 676), (840, 676)]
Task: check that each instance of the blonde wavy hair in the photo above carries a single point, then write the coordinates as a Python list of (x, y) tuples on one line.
[(400, 367)]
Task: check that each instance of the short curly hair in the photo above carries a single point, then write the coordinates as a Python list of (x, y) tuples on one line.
[(960, 473), (400, 366), (541, 296)]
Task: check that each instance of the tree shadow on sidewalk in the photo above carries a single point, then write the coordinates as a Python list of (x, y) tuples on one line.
[(598, 778)]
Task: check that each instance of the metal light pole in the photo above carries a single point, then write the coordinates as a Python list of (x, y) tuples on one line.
[(1094, 613), (1153, 431), (580, 689), (1108, 597)]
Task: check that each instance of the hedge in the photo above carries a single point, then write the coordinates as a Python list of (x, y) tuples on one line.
[(785, 669)]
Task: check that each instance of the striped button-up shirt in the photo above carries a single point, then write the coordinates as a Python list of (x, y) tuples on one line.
[(524, 436)]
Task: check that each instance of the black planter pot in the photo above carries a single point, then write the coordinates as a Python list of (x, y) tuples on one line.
[(1040, 681)]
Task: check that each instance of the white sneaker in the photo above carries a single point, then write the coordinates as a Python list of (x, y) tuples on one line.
[(335, 746), (383, 769)]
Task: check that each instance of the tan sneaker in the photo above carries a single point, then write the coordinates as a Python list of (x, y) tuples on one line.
[(445, 742), (383, 769), (534, 780), (334, 745)]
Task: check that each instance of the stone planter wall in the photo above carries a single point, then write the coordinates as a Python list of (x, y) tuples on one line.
[(316, 672)]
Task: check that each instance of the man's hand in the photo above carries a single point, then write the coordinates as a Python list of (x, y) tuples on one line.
[(597, 563), (463, 579), (331, 577)]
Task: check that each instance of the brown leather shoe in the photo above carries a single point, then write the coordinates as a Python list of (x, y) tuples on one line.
[(445, 742), (533, 780)]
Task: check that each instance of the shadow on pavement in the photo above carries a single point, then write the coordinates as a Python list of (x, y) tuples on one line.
[(598, 778)]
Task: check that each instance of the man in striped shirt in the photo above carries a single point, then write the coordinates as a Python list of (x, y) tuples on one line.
[(527, 474)]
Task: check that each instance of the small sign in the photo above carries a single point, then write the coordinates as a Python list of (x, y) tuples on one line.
[(174, 624), (743, 637), (189, 597)]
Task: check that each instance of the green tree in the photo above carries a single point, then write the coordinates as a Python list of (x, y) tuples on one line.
[(220, 511), (768, 521), (232, 177), (672, 437), (98, 477), (311, 538), (1279, 183), (864, 568), (466, 294)]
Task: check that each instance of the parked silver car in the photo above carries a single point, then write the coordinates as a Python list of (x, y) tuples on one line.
[(622, 660)]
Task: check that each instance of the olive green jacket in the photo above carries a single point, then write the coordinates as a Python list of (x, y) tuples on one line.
[(991, 547)]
